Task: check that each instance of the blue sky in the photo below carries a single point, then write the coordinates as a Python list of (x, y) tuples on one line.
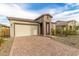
[(39, 6), (59, 11)]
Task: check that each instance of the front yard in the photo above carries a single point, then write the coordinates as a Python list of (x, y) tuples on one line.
[(38, 45), (71, 40), (6, 47), (41, 46)]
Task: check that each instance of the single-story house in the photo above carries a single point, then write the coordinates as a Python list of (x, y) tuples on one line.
[(39, 26), (62, 26), (25, 27)]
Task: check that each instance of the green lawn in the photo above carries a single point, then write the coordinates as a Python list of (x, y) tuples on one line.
[(6, 47), (71, 40)]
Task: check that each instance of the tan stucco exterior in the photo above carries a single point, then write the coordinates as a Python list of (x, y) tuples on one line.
[(24, 27), (45, 21), (71, 25), (21, 28)]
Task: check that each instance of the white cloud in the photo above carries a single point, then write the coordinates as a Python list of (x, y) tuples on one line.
[(52, 11), (68, 15), (68, 5), (14, 10), (74, 4), (73, 17), (65, 13), (47, 10)]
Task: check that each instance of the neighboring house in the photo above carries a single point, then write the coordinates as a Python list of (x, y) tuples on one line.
[(4, 31), (63, 26), (27, 27), (71, 25), (77, 27)]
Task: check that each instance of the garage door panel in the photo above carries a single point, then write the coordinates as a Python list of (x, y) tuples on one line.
[(34, 30), (25, 30)]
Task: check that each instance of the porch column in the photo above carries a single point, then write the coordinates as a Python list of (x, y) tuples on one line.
[(39, 29), (44, 28), (50, 28)]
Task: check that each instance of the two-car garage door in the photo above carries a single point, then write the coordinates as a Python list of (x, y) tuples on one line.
[(25, 30)]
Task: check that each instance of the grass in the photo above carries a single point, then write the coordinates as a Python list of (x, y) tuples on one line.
[(71, 40), (6, 47)]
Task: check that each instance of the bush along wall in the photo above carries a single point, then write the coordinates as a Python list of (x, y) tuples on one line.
[(1, 41), (69, 32), (1, 38)]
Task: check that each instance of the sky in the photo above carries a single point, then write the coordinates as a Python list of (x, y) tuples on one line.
[(59, 11)]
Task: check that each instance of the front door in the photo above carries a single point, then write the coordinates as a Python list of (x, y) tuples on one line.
[(41, 29)]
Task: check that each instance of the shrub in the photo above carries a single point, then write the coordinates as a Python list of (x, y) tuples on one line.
[(53, 31), (69, 32)]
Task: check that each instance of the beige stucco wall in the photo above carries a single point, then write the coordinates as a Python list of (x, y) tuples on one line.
[(47, 18), (12, 30), (54, 26), (73, 24), (44, 18), (23, 22)]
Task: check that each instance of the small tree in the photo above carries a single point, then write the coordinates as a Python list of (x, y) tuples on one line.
[(53, 31)]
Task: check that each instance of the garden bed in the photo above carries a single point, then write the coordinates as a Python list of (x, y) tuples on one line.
[(71, 40), (6, 47)]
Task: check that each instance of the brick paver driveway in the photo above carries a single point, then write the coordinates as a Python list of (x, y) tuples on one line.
[(38, 45)]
